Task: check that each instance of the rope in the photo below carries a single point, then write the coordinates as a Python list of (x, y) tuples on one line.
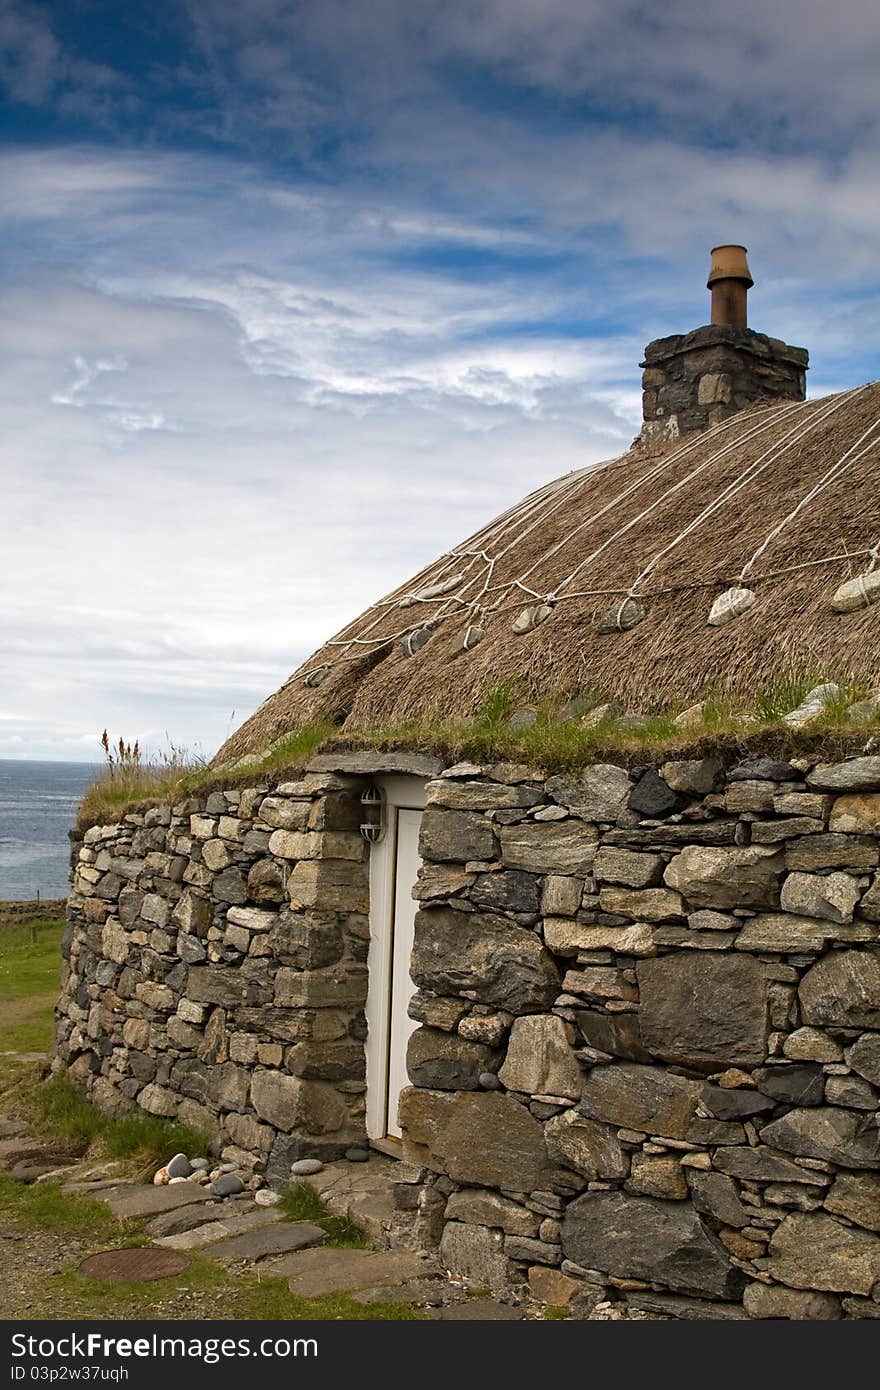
[(831, 475), (748, 474)]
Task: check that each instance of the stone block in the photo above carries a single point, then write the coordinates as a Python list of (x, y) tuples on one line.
[(549, 847), (640, 1238), (723, 878), (487, 956), (842, 990), (443, 1061), (811, 1250), (643, 1098), (709, 1011), (540, 1060)]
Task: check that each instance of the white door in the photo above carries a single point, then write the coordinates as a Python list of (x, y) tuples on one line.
[(394, 866)]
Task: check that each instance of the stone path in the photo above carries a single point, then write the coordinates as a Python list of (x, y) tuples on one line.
[(234, 1230), (312, 1273)]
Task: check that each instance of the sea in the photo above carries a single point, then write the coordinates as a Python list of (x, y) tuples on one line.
[(38, 802)]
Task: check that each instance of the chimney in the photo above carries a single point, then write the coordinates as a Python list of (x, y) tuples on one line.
[(693, 380)]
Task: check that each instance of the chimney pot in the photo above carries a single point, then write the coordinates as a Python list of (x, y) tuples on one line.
[(729, 280)]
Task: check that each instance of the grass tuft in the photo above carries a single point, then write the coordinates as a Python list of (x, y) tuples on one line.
[(302, 1203), (60, 1111)]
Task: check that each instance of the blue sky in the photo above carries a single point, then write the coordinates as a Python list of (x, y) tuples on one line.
[(296, 295)]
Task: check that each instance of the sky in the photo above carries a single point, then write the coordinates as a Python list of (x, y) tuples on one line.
[(298, 293)]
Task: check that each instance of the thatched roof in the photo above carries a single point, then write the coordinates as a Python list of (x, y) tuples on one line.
[(790, 491)]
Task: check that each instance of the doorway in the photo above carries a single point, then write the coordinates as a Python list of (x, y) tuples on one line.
[(394, 867)]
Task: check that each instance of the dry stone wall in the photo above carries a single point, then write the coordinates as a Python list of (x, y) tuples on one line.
[(648, 1054), (215, 969)]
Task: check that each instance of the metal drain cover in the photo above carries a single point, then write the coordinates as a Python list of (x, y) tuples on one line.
[(142, 1265)]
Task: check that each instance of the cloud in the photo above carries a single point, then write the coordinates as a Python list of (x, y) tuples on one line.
[(298, 295)]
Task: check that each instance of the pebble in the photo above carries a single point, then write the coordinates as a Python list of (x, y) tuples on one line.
[(200, 1165), (227, 1185), (305, 1167), (178, 1167), (489, 1081), (160, 1178), (172, 1181), (357, 1155), (267, 1198)]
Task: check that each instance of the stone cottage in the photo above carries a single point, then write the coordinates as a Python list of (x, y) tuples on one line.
[(621, 1024)]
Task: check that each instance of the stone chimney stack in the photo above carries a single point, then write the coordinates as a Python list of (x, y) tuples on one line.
[(693, 380)]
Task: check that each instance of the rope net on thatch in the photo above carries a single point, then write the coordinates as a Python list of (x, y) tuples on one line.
[(647, 579)]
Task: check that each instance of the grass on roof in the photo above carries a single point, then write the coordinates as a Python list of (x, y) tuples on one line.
[(552, 742)]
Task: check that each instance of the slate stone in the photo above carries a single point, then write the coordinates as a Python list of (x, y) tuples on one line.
[(842, 990), (495, 961), (642, 1098), (540, 1060), (130, 1200), (599, 793), (763, 770), (589, 1148), (313, 1273), (510, 890), (652, 797), (854, 775), (549, 847), (815, 852), (832, 896), (277, 1239), (796, 1085), (617, 1034), (826, 1132), (214, 984), (857, 1197), (475, 1253), (456, 836), (764, 1165), (476, 1207), (289, 1102), (735, 1104), (708, 1011), (864, 1057), (811, 1250), (716, 1195), (481, 1138), (685, 1309), (627, 867), (724, 878), (642, 1238), (850, 1091), (446, 1062), (775, 1301)]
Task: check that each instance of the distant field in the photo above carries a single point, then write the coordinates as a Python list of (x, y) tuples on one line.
[(30, 961)]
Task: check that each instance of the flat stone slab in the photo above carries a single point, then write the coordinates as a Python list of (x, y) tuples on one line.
[(10, 1128), (478, 1310), (367, 761), (132, 1199), (434, 1292), (312, 1273), (170, 1223), (274, 1240), (220, 1229)]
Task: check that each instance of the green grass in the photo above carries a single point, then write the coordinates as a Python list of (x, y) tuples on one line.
[(551, 743), (248, 1296), (43, 1206), (553, 1313), (302, 1203), (30, 962), (59, 1111)]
